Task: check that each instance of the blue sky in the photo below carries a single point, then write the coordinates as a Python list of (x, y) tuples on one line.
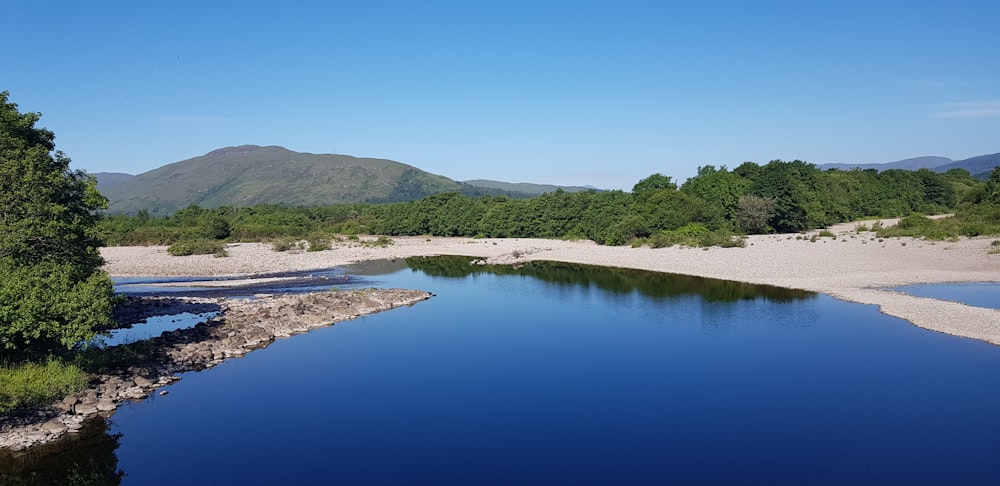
[(572, 93)]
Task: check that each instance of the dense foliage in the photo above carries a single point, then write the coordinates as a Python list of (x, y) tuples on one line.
[(708, 209), (52, 293)]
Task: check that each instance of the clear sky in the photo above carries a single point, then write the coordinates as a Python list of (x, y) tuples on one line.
[(572, 93)]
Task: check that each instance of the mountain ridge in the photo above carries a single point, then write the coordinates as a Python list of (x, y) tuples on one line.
[(247, 175), (979, 166)]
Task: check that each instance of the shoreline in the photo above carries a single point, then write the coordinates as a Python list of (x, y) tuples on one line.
[(238, 329), (855, 267)]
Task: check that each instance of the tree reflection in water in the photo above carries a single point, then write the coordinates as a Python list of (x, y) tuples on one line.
[(85, 458), (610, 279)]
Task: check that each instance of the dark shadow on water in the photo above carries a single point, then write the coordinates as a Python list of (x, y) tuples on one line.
[(610, 279), (85, 458)]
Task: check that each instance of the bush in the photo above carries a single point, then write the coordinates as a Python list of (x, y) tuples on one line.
[(33, 385), (380, 242), (284, 244), (199, 246), (46, 306), (316, 243), (695, 234)]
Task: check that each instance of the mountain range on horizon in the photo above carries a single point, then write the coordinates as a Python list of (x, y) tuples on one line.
[(247, 175), (979, 166)]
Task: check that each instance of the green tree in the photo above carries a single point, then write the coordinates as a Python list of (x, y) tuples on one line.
[(991, 192), (52, 292), (754, 213), (652, 183)]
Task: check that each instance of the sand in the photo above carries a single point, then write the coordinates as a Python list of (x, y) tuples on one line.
[(856, 267)]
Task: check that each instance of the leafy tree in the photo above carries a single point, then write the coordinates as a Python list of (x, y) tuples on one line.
[(991, 192), (754, 213), (52, 292), (792, 185), (720, 189), (652, 183)]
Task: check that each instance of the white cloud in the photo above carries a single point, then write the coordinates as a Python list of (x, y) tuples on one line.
[(974, 109)]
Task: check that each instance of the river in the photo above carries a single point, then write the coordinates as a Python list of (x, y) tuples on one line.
[(564, 374)]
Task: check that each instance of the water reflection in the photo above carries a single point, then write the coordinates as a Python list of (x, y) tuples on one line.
[(86, 458), (613, 280), (545, 346)]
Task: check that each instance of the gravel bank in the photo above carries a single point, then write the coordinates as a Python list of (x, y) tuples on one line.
[(854, 266)]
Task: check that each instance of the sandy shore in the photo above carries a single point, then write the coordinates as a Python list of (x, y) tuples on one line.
[(856, 267)]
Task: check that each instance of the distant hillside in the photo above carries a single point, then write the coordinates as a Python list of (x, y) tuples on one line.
[(980, 167), (108, 180), (524, 187), (250, 174), (915, 163)]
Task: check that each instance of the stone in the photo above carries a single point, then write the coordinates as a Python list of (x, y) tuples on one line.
[(54, 426), (142, 381), (85, 408), (106, 405)]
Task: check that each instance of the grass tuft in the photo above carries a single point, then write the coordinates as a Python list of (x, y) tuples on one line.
[(33, 385)]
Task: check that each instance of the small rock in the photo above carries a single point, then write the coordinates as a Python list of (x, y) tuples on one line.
[(142, 381), (54, 427), (106, 406)]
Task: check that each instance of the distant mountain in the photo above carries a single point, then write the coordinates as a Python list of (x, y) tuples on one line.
[(915, 163), (250, 174), (108, 180), (524, 187), (980, 167)]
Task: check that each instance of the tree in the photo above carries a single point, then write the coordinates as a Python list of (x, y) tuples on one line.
[(52, 291), (991, 192), (754, 213), (652, 183)]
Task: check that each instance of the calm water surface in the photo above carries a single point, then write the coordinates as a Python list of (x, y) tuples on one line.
[(985, 294), (578, 375)]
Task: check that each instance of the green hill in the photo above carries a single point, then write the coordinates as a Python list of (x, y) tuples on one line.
[(250, 174), (524, 187)]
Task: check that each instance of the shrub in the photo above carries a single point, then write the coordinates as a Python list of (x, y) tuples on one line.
[(34, 385), (826, 234), (318, 244), (695, 234), (380, 242), (198, 246), (284, 244)]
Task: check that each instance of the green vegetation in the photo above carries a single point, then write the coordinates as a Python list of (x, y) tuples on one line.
[(199, 246), (33, 385), (712, 208), (255, 175), (52, 293)]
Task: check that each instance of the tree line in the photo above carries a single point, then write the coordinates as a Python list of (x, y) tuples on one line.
[(778, 196)]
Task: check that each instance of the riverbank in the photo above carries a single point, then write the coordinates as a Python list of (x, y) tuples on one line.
[(854, 266), (241, 326)]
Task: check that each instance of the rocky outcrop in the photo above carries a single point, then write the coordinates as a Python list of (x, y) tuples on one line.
[(242, 326)]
